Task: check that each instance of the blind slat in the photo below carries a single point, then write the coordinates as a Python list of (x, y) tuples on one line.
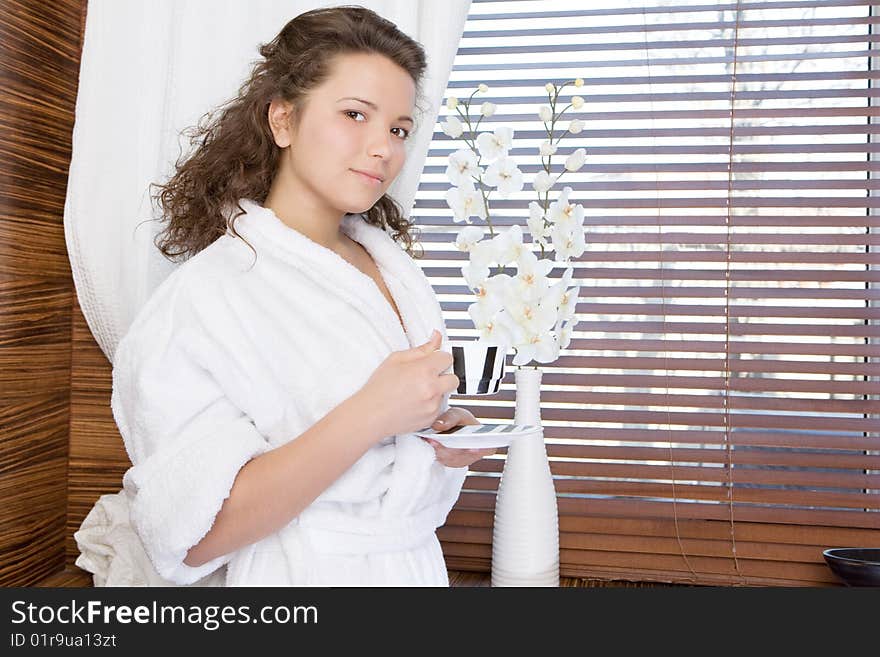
[(596, 506), (622, 479), (707, 292), (428, 224), (680, 256), (705, 202), (640, 60), (740, 455), (777, 439), (667, 45), (684, 492), (855, 386), (745, 275), (665, 9), (439, 149), (682, 26), (700, 167), (778, 534), (763, 348)]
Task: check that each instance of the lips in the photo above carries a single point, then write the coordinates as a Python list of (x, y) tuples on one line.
[(375, 176)]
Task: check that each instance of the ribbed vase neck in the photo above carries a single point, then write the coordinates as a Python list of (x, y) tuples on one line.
[(528, 396)]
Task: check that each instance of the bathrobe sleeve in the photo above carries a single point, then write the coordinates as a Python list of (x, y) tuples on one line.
[(185, 439)]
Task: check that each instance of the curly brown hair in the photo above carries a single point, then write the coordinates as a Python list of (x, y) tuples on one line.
[(236, 156)]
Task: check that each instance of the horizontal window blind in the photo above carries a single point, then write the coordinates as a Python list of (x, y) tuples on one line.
[(714, 419)]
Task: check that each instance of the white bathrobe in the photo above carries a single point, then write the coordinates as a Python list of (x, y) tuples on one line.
[(225, 362)]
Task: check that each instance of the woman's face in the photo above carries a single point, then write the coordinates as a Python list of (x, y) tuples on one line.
[(352, 131)]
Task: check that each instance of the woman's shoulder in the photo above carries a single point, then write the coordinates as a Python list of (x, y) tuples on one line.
[(186, 297)]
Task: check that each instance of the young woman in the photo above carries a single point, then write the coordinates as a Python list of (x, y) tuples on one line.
[(267, 391)]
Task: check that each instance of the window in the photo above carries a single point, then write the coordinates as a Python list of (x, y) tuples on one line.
[(714, 419)]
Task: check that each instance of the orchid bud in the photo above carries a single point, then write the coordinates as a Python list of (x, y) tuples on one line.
[(576, 160), (546, 149)]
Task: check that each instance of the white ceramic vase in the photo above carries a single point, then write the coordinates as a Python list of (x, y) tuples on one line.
[(525, 538)]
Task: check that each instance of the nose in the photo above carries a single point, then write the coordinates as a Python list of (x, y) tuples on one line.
[(380, 144)]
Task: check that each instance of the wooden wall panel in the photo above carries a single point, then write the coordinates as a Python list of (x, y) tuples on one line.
[(38, 84), (97, 454)]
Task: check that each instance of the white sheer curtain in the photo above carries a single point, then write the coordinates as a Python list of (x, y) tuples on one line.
[(151, 69)]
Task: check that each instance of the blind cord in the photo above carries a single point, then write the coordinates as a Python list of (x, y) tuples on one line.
[(684, 556), (726, 396)]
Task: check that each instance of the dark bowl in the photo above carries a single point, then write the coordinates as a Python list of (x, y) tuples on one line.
[(855, 566)]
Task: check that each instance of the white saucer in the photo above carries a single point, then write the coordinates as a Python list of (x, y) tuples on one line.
[(479, 436)]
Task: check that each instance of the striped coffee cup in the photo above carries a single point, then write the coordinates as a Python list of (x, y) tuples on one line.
[(478, 365)]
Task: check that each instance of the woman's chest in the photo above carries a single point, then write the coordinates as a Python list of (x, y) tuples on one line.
[(295, 348), (360, 258)]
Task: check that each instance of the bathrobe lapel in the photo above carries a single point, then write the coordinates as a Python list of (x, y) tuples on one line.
[(328, 270)]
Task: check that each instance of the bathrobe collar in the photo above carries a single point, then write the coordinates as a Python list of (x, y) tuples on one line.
[(402, 275)]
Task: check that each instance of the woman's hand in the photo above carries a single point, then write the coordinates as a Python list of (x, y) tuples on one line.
[(406, 391), (449, 456)]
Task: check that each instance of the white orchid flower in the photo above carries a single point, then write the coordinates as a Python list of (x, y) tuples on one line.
[(577, 102), (485, 321), (563, 298), (468, 237), (489, 303), (483, 88), (528, 313), (452, 127), (562, 211), (531, 280), (481, 317), (542, 348), (508, 245), (497, 285), (451, 103), (546, 148), (487, 293), (561, 201), (516, 333), (537, 226), (545, 113), (576, 160), (565, 336), (466, 203), (484, 253), (575, 126), (462, 168), (531, 340), (494, 145), (568, 242), (550, 87), (542, 182), (579, 82), (487, 109), (568, 304), (474, 274), (556, 291), (505, 175)]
